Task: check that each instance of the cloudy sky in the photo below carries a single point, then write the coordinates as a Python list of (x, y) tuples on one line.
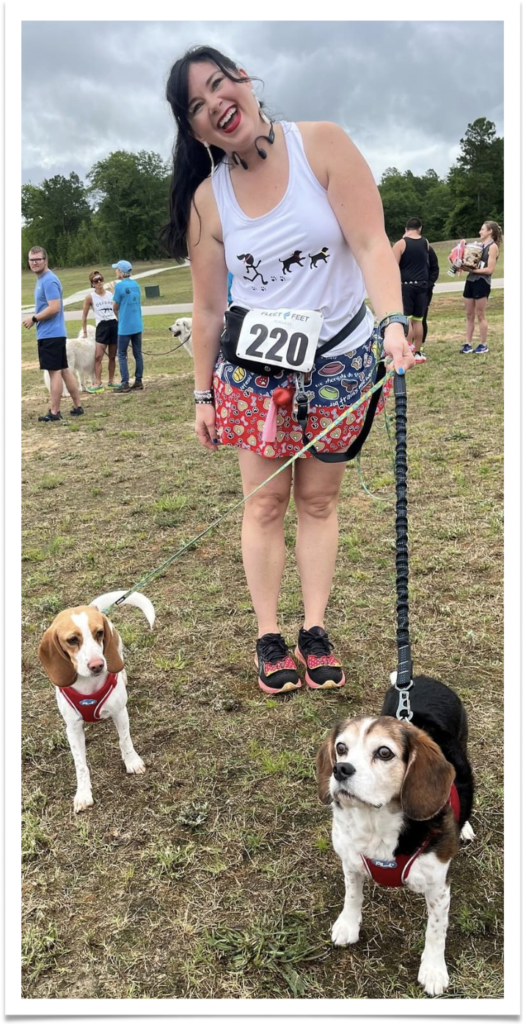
[(405, 91)]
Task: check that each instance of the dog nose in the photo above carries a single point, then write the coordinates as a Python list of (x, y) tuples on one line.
[(343, 770), (96, 666)]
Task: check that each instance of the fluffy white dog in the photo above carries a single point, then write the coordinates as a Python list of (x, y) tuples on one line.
[(182, 329), (81, 359)]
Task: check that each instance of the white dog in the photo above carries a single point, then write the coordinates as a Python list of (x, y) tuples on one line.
[(182, 329), (81, 359)]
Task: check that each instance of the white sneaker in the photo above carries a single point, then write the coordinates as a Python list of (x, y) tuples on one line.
[(420, 357)]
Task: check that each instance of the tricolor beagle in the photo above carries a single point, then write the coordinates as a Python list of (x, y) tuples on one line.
[(81, 652), (401, 797)]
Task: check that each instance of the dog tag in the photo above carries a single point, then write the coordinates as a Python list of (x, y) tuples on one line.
[(281, 337)]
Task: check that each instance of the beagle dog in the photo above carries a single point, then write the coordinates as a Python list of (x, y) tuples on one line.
[(81, 653), (401, 795)]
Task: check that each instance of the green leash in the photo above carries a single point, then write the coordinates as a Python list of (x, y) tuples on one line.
[(150, 576)]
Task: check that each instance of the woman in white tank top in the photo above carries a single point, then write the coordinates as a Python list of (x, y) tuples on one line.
[(292, 211), (100, 300)]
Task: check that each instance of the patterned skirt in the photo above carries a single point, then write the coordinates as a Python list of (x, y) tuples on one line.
[(243, 398)]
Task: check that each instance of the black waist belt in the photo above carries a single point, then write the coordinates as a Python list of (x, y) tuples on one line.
[(234, 317)]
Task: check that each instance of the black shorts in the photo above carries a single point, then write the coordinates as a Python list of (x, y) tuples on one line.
[(52, 353), (106, 332), (414, 297), (477, 289)]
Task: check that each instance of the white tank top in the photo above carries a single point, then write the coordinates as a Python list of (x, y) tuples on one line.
[(102, 306), (296, 256)]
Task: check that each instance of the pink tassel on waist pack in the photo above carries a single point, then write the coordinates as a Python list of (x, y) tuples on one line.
[(280, 397)]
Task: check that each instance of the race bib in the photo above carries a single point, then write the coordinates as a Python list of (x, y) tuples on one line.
[(281, 337)]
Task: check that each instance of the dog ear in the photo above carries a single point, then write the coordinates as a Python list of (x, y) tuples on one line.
[(114, 661), (56, 663), (428, 779), (325, 761)]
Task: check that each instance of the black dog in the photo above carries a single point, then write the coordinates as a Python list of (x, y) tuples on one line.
[(295, 258), (321, 255)]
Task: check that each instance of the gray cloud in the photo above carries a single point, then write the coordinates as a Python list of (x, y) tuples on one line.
[(404, 91)]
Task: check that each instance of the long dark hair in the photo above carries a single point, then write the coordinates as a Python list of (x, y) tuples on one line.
[(191, 163), (496, 230)]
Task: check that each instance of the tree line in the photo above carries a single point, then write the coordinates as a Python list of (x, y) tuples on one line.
[(120, 211)]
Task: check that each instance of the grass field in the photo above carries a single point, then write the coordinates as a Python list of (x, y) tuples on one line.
[(177, 286), (213, 874)]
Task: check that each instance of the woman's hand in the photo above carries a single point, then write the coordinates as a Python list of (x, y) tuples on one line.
[(395, 346), (205, 426)]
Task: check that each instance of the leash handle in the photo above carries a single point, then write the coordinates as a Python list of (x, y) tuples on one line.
[(405, 667)]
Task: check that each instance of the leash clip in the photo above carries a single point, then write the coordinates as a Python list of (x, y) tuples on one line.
[(301, 400), (403, 711)]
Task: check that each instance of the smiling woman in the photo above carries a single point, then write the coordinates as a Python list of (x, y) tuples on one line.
[(293, 213)]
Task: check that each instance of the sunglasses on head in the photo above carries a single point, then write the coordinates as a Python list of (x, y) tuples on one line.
[(96, 280)]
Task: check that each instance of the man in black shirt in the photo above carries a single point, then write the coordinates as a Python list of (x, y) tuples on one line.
[(411, 252)]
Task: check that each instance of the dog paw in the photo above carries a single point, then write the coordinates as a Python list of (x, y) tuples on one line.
[(433, 977), (466, 833), (135, 766), (82, 800), (345, 932)]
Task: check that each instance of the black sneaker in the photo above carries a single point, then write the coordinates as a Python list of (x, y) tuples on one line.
[(76, 411), (324, 671), (137, 385), (277, 672), (121, 389), (50, 417)]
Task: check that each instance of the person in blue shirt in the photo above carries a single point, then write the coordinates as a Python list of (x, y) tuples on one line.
[(51, 335), (127, 308)]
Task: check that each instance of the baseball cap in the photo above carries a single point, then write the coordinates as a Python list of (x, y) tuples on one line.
[(123, 265)]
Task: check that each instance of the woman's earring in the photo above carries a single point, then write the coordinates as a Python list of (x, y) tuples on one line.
[(262, 114), (209, 151)]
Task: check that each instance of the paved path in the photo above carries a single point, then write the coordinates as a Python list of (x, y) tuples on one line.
[(187, 307), (79, 296)]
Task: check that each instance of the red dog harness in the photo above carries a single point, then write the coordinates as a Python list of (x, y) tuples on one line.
[(395, 872), (88, 706)]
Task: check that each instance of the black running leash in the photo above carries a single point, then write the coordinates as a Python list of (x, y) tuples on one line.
[(404, 677)]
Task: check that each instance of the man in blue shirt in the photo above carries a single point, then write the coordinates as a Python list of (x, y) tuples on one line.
[(51, 335), (127, 308)]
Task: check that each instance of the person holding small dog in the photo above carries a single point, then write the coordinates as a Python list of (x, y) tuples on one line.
[(478, 287), (100, 301), (127, 308), (250, 193), (51, 335)]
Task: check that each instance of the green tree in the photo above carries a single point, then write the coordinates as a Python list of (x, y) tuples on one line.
[(400, 200), (54, 212), (477, 180), (130, 191)]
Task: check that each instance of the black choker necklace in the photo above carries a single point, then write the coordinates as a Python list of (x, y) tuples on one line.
[(260, 152)]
